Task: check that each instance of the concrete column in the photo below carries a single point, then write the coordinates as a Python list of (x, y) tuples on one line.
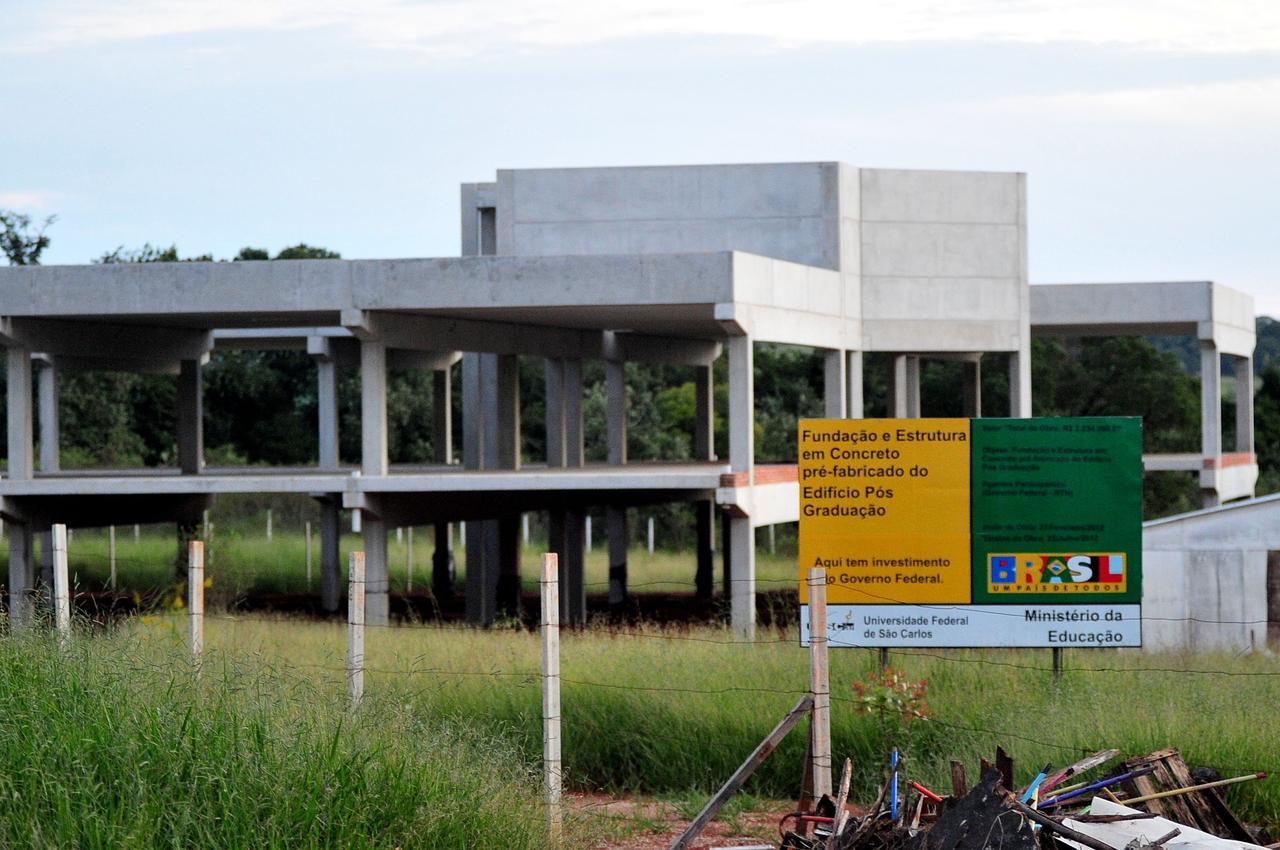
[(726, 557), (1244, 403), (21, 572), (43, 536), (615, 382), (47, 390), (1210, 399), (705, 521), (327, 412), (442, 564), (376, 602), (616, 525), (741, 406), (574, 433), (373, 432), (330, 536), (190, 418), (507, 387), (573, 583), (508, 585), (834, 385), (853, 380), (1210, 411), (972, 388), (555, 424), (904, 385), (19, 414), (739, 555), (704, 427), (482, 574), (1020, 383), (472, 417), (442, 415), (742, 574)]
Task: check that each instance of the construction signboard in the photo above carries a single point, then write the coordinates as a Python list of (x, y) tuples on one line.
[(974, 532)]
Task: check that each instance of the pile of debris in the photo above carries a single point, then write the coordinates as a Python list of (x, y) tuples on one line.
[(1151, 802), (1142, 803)]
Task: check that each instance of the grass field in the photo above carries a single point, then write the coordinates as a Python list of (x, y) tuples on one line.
[(667, 713)]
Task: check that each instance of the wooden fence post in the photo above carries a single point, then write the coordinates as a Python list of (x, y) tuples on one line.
[(61, 594), (551, 764), (195, 596), (819, 682), (355, 628)]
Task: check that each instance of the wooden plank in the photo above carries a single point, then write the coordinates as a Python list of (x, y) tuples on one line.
[(744, 771), (959, 783), (1215, 815), (1004, 764), (842, 798)]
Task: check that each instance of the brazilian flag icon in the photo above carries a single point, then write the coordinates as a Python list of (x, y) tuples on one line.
[(1003, 569)]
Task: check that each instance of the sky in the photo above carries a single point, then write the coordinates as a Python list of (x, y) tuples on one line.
[(1149, 129)]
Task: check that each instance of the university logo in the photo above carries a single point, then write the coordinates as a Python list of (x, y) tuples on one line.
[(1056, 573)]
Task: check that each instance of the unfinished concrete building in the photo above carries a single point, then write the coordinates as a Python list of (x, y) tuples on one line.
[(662, 264)]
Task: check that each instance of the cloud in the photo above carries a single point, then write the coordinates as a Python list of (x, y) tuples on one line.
[(22, 200), (452, 28)]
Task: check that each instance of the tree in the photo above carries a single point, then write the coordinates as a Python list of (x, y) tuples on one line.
[(20, 244)]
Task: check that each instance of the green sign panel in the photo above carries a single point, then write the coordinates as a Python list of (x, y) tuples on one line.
[(1057, 507)]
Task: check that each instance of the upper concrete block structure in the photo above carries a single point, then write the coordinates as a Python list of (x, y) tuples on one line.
[(680, 264), (1219, 318)]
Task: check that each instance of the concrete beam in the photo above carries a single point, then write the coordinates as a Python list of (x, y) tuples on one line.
[(435, 333), (123, 341)]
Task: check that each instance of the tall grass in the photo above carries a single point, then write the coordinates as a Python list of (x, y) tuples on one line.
[(674, 712), (116, 743)]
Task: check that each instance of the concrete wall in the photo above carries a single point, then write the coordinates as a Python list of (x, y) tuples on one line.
[(943, 260), (1205, 577), (786, 211)]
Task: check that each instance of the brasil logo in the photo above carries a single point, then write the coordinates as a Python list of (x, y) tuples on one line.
[(1091, 573)]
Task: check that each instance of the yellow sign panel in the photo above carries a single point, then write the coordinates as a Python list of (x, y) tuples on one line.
[(884, 508)]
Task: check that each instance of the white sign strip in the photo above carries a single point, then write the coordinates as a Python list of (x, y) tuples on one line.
[(978, 626)]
